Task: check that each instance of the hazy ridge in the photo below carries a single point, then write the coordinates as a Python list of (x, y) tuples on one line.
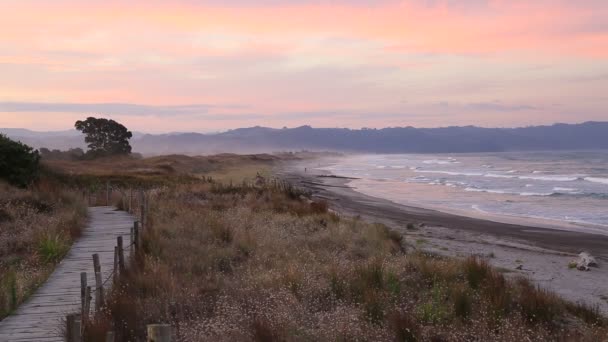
[(588, 135)]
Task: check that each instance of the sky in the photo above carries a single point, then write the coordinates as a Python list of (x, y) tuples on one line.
[(167, 66)]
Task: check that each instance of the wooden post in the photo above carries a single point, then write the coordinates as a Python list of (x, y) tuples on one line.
[(96, 264), (110, 336), (98, 292), (73, 327), (121, 255), (87, 302), (83, 292), (107, 193), (159, 333), (136, 235), (98, 283), (131, 200), (115, 263)]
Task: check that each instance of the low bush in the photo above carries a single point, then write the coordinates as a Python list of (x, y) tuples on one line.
[(19, 163)]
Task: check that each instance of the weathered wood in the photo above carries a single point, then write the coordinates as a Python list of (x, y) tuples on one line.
[(87, 303), (96, 265), (159, 333), (136, 235), (121, 255), (110, 336), (132, 236), (585, 260), (83, 291), (73, 328), (98, 292), (115, 263), (40, 317)]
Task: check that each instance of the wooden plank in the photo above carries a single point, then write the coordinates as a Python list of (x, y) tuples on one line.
[(42, 316)]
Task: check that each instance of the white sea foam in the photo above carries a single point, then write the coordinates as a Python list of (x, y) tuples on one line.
[(452, 173), (597, 180), (557, 188), (506, 192), (496, 175), (552, 178), (557, 178), (440, 162)]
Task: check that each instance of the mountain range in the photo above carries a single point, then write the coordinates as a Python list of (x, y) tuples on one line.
[(588, 135)]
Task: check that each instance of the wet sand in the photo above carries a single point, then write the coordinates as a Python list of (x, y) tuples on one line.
[(528, 249)]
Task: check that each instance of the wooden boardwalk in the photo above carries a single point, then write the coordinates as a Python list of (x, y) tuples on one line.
[(40, 317)]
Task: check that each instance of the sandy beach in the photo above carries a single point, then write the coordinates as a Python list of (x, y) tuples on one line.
[(519, 247)]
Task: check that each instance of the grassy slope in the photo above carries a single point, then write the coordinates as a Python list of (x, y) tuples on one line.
[(37, 227), (258, 263)]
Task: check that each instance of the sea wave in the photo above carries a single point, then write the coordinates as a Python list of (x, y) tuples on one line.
[(557, 188), (558, 192), (440, 162), (509, 174), (507, 192), (596, 180), (452, 173), (560, 178)]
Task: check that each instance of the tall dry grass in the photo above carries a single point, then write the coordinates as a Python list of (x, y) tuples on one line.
[(37, 227), (240, 263)]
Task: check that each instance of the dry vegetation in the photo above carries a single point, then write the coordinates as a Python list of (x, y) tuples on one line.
[(236, 262), (37, 227)]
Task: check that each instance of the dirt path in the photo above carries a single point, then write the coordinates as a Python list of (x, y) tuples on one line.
[(40, 317)]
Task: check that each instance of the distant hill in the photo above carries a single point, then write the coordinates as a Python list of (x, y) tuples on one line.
[(588, 135)]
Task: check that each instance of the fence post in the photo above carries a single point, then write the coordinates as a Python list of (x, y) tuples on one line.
[(121, 255), (73, 327), (83, 292), (136, 235), (115, 263), (131, 200), (110, 336), (107, 193), (98, 283), (132, 237), (159, 333), (87, 303)]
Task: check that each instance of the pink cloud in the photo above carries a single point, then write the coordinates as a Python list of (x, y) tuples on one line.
[(294, 56)]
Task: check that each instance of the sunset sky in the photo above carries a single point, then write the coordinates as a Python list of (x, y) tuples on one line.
[(160, 66)]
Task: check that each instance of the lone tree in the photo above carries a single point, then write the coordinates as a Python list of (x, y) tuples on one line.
[(105, 137), (19, 163)]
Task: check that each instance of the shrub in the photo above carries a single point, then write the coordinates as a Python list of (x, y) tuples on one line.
[(52, 248), (19, 163)]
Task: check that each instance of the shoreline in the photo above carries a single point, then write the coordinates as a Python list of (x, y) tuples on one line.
[(520, 247)]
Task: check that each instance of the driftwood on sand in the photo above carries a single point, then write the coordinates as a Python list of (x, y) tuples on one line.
[(585, 260)]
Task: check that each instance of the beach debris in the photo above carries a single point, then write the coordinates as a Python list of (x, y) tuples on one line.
[(520, 267), (585, 261)]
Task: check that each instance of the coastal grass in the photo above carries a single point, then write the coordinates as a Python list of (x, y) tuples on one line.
[(228, 261), (37, 226)]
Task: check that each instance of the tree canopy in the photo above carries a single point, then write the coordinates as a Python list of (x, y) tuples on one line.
[(105, 137), (19, 163)]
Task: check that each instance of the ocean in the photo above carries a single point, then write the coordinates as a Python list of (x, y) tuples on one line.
[(555, 187)]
